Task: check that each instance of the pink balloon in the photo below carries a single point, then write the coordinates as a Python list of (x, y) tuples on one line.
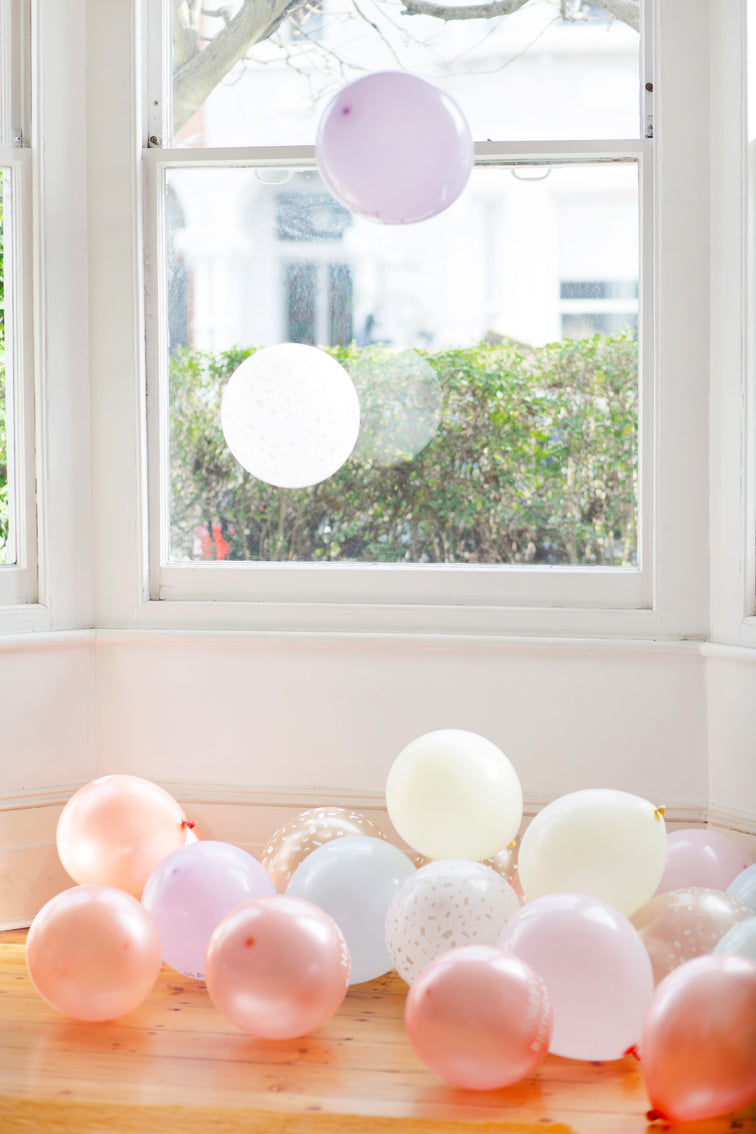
[(114, 830), (394, 148), (191, 890), (682, 924), (93, 953), (700, 857), (596, 970), (277, 967), (698, 1049), (479, 1018)]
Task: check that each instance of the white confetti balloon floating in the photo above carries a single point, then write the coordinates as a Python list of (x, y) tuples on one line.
[(290, 415), (400, 399), (446, 905)]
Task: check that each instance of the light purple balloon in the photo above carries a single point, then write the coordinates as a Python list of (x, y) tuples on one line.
[(697, 856), (595, 967), (191, 890), (394, 148)]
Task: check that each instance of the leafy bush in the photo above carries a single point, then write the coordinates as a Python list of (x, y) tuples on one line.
[(534, 461)]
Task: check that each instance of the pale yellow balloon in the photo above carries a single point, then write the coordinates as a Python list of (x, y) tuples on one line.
[(454, 794), (609, 844)]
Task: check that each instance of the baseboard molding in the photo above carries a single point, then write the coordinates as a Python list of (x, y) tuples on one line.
[(31, 873)]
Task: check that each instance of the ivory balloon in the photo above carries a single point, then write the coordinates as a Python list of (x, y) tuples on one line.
[(191, 890), (93, 953), (682, 924), (697, 856), (277, 967), (354, 879), (454, 794), (479, 1018), (393, 148), (442, 906), (698, 1049), (595, 967), (114, 830), (610, 844), (292, 843)]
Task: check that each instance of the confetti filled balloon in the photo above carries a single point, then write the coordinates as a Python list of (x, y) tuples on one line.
[(682, 924), (191, 890), (290, 415), (610, 844), (93, 953), (446, 905), (454, 794), (394, 148), (354, 879), (697, 856), (595, 967), (115, 830), (479, 1018), (291, 844), (698, 1049), (400, 404)]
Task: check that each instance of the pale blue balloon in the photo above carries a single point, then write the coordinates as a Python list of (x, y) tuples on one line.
[(743, 887), (740, 940), (354, 878)]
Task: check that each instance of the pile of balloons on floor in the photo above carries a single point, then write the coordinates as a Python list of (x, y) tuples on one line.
[(593, 936)]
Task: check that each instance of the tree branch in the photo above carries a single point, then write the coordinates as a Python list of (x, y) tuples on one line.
[(627, 11)]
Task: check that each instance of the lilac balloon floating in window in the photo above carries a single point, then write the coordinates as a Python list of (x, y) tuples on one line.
[(394, 148)]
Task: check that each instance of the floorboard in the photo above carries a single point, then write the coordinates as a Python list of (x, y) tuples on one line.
[(176, 1065)]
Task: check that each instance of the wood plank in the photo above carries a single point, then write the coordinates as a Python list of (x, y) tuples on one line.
[(176, 1064)]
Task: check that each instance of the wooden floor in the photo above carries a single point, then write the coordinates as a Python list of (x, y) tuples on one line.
[(177, 1065)]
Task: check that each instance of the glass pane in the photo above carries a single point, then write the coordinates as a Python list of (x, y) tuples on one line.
[(493, 349), (7, 551), (242, 76)]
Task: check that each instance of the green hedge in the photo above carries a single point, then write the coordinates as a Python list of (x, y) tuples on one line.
[(534, 461)]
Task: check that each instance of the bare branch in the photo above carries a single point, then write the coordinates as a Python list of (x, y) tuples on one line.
[(483, 11)]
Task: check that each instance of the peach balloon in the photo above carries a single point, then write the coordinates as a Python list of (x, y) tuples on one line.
[(115, 830), (698, 1048), (479, 1018), (277, 967), (93, 953), (291, 844), (682, 924)]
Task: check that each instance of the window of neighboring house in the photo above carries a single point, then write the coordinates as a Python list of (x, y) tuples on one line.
[(507, 335)]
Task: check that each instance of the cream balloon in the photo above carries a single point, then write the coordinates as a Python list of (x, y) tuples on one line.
[(290, 415), (608, 844), (454, 794)]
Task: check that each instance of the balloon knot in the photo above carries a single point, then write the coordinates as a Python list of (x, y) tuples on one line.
[(633, 1050), (653, 1115), (189, 824), (659, 812)]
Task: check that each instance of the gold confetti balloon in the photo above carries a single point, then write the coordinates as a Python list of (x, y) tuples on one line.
[(307, 831)]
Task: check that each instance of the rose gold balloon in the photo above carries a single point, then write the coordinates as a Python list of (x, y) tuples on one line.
[(698, 1049), (308, 831), (93, 953), (682, 924), (114, 830), (277, 967), (480, 1018)]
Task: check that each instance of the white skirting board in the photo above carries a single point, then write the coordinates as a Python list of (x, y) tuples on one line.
[(31, 873)]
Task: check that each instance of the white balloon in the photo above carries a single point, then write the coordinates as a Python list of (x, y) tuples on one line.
[(454, 794), (400, 404), (740, 940), (442, 906), (290, 415), (609, 844)]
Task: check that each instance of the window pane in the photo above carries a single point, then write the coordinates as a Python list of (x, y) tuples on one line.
[(493, 349), (7, 541), (550, 70)]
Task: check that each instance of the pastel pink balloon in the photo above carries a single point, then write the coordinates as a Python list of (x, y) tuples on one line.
[(683, 924), (698, 1049), (394, 148), (114, 830), (277, 967), (595, 967), (697, 856), (93, 953), (479, 1018), (191, 890)]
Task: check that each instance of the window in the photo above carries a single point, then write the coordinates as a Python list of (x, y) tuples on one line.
[(527, 301)]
